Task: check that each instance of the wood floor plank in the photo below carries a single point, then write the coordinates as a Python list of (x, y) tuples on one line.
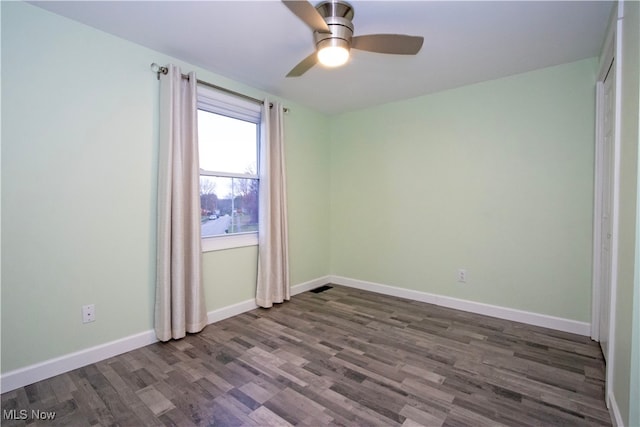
[(342, 357), (265, 417), (419, 417)]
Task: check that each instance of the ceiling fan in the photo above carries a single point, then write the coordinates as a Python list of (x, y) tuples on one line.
[(333, 33)]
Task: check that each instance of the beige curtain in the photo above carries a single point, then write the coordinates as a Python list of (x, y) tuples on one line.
[(273, 242), (179, 306)]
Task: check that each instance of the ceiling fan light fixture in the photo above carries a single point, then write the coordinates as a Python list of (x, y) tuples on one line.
[(331, 22), (333, 52)]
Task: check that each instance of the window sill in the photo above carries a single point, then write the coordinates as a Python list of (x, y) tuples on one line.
[(219, 243)]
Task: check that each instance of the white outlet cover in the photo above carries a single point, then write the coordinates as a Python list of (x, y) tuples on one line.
[(88, 313)]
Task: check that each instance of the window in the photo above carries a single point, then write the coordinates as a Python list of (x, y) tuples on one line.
[(228, 138)]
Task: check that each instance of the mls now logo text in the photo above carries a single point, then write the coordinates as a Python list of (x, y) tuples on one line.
[(23, 414)]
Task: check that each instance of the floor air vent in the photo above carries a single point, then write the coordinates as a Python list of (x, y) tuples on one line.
[(321, 289)]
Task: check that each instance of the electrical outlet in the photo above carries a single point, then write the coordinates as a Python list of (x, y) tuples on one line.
[(462, 275), (88, 313)]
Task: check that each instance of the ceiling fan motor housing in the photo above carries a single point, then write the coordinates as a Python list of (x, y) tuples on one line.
[(338, 16)]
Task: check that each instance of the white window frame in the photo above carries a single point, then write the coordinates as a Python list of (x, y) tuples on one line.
[(218, 102)]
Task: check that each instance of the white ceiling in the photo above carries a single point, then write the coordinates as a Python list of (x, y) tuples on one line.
[(258, 42)]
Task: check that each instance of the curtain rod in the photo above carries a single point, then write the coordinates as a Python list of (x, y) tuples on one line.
[(164, 70)]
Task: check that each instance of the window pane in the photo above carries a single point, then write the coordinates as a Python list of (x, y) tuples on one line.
[(228, 205), (226, 144)]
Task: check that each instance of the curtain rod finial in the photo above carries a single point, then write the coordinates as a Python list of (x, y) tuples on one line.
[(158, 69)]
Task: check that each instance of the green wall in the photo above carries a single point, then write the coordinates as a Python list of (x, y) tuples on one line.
[(495, 177), (625, 386), (79, 138)]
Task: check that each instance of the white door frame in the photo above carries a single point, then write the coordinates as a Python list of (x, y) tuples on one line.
[(612, 49)]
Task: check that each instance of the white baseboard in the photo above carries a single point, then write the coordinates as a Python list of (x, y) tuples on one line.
[(311, 284), (614, 411), (230, 311), (52, 367), (543, 320), (49, 368)]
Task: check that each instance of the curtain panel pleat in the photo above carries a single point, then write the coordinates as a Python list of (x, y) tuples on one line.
[(180, 303), (273, 242)]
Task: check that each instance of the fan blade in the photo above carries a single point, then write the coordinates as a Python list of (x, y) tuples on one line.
[(304, 65), (397, 44), (308, 14)]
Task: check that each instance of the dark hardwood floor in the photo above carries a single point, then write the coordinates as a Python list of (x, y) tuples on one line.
[(339, 357)]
